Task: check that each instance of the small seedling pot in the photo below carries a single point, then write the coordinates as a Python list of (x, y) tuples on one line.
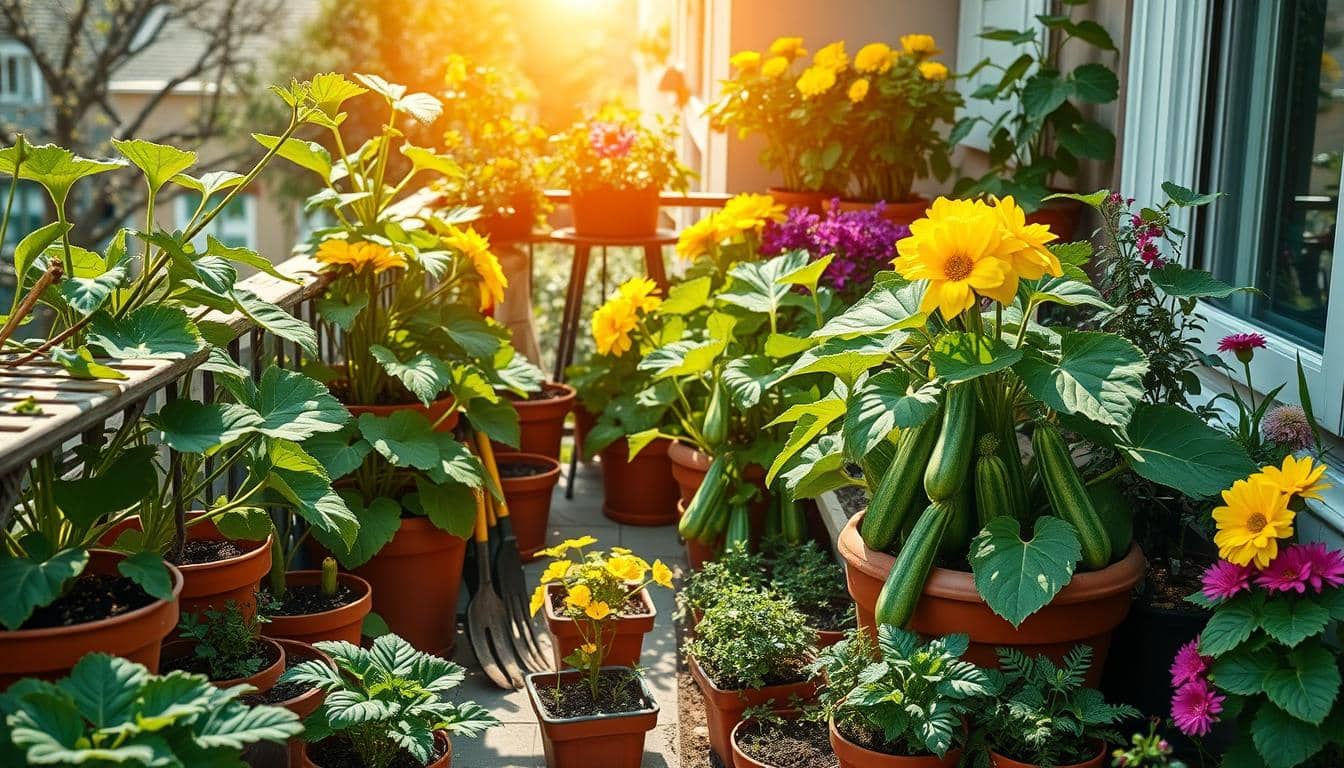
[(529, 498), (263, 679), (342, 623), (724, 707), (613, 740)]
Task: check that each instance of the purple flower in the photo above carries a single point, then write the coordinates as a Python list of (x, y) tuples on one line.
[(1195, 707), (1326, 565), (1223, 580), (610, 139), (862, 241), (1188, 665)]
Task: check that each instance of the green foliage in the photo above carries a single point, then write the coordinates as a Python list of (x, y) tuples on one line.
[(735, 568), (647, 161), (751, 639), (1018, 577), (809, 576), (226, 641), (386, 700)]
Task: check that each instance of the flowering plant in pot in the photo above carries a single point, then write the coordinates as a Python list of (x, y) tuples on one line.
[(860, 242), (615, 166), (899, 702), (384, 706), (750, 648), (1266, 660)]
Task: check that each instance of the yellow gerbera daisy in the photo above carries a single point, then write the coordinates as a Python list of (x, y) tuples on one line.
[(774, 67), (858, 90), (612, 325), (476, 248), (698, 239), (960, 249), (923, 45), (747, 212), (579, 596), (745, 60), (359, 255), (642, 293), (815, 81), (1254, 517), (873, 57), (788, 47), (1032, 259), (1297, 477), (662, 575), (933, 70), (598, 611)]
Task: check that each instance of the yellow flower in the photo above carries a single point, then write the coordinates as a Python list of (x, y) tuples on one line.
[(747, 212), (538, 598), (580, 596), (359, 255), (775, 66), (745, 60), (612, 324), (627, 568), (1254, 517), (858, 90), (580, 542), (933, 70), (589, 648), (698, 239), (959, 247), (555, 571), (815, 81), (873, 57), (560, 549), (598, 611), (1297, 477), (455, 71), (920, 45), (1032, 259), (788, 47), (662, 575), (641, 292), (832, 57), (477, 248)]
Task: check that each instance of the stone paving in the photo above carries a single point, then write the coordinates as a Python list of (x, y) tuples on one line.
[(517, 742)]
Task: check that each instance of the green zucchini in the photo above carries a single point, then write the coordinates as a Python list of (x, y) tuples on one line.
[(994, 496), (793, 521), (1068, 496), (878, 461), (1117, 515), (715, 430), (960, 526), (896, 489), (712, 493), (739, 527), (900, 594), (950, 462)]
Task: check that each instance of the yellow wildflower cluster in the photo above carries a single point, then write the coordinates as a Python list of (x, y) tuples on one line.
[(1257, 511), (476, 248), (966, 248), (359, 255), (743, 214), (616, 320)]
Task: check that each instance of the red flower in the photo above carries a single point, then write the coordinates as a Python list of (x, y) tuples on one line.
[(1241, 343)]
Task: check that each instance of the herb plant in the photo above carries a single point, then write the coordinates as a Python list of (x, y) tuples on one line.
[(735, 568), (386, 700), (226, 641), (813, 580), (1146, 751), (753, 639)]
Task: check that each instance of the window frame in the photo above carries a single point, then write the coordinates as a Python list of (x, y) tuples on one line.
[(975, 17), (184, 206), (10, 49)]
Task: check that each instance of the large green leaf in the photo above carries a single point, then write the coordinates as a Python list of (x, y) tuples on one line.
[(759, 286), (1187, 198), (1043, 93), (1094, 84), (207, 184), (303, 481), (811, 419), (305, 154), (1064, 291), (1283, 741), (235, 725), (1243, 671), (479, 338), (55, 168), (275, 319), (342, 311), (1307, 685), (457, 464), (450, 506), (959, 356), (150, 331), (247, 256), (1098, 376), (682, 358), (105, 694), (28, 584), (405, 438), (1290, 620), (1183, 283), (128, 479), (747, 378), (687, 297), (428, 160), (424, 374), (887, 307), (86, 295), (1017, 578), (1176, 448), (378, 523), (337, 452), (29, 248), (882, 403), (159, 162), (498, 419), (1231, 625), (845, 358), (79, 363), (294, 406), (819, 468), (190, 426), (147, 569)]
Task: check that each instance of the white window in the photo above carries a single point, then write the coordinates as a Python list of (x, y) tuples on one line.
[(235, 226), (20, 80), (978, 16), (28, 214)]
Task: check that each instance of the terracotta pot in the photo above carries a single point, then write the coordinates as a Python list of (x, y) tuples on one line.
[(541, 423), (416, 578), (724, 708), (617, 213), (177, 651), (698, 553), (503, 227), (827, 637), (49, 653), (343, 623), (903, 213), (583, 424), (740, 758), (440, 738), (445, 409), (626, 634), (639, 492), (609, 740), (1086, 610), (852, 755), (689, 466), (812, 201), (529, 499), (304, 703), (999, 761), (1062, 216)]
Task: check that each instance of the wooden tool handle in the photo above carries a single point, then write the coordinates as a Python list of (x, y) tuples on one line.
[(487, 453), (482, 532)]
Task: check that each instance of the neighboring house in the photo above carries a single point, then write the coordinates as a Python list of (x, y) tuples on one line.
[(1244, 97)]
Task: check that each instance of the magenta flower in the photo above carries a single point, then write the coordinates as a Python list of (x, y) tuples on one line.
[(1326, 566), (1195, 707), (1188, 665), (1223, 580), (1290, 572), (1241, 342)]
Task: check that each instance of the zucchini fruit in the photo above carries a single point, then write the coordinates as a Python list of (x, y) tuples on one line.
[(793, 522), (739, 527), (715, 428), (960, 526), (709, 498), (900, 594), (994, 495), (951, 458), (1068, 496), (878, 461), (893, 497), (1117, 515)]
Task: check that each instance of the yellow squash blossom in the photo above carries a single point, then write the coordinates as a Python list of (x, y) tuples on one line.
[(627, 568), (858, 90), (555, 571), (538, 598), (873, 57), (788, 47), (662, 575), (642, 293), (580, 596), (745, 60), (359, 255), (580, 542), (748, 212), (815, 81), (832, 57), (959, 247), (774, 67), (589, 648), (598, 611), (698, 239), (933, 70), (612, 324), (1254, 516), (922, 45), (1297, 477), (1032, 259)]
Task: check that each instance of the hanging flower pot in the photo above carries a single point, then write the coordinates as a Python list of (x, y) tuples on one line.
[(852, 755), (628, 631), (528, 481), (541, 420), (615, 213), (639, 491), (317, 616), (610, 740)]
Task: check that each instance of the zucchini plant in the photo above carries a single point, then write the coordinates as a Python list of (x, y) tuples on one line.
[(956, 382)]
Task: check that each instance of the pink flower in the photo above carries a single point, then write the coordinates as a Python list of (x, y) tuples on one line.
[(1289, 572), (610, 139), (1195, 707), (1188, 665), (1223, 580), (1288, 426), (1327, 566), (1241, 342)]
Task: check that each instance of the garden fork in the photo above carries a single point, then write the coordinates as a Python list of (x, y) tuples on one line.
[(487, 618)]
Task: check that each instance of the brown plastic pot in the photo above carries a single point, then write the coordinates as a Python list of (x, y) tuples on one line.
[(541, 422), (903, 213), (440, 738), (1086, 611), (1061, 216), (619, 213), (609, 740), (724, 708), (999, 761), (343, 623), (434, 411), (625, 635), (852, 755), (529, 499), (175, 651), (416, 578), (697, 552), (789, 198), (50, 653), (639, 492)]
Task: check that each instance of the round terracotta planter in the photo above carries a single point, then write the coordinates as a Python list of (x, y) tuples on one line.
[(812, 201), (445, 409), (1086, 610), (689, 466), (416, 578), (828, 637), (616, 213), (440, 738), (740, 758), (529, 499), (697, 552), (583, 424), (724, 708), (852, 755), (609, 741), (626, 634), (903, 213), (541, 423), (343, 623), (263, 680), (639, 492), (49, 653), (999, 761), (1061, 216)]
